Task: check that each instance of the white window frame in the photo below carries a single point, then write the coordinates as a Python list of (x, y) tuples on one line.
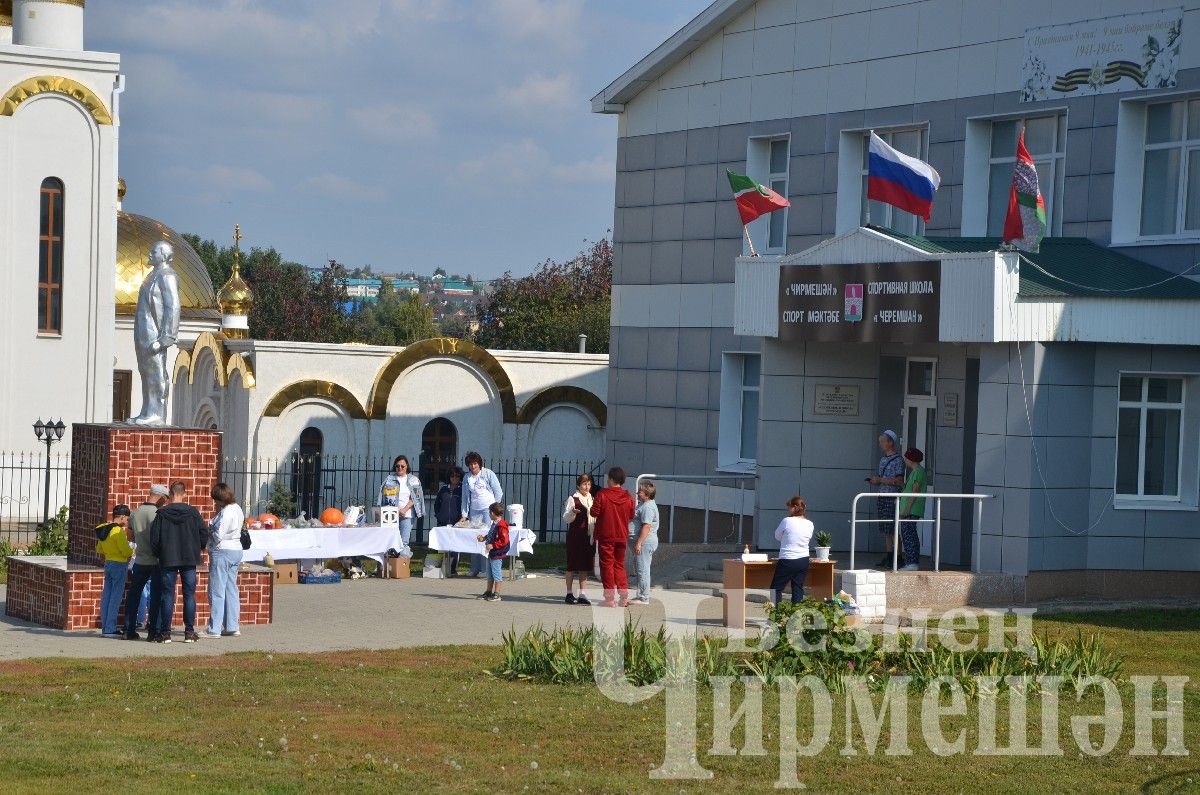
[(1188, 467), (729, 430), (758, 168), (977, 171), (1129, 173)]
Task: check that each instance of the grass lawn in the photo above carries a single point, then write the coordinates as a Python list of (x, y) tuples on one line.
[(429, 720)]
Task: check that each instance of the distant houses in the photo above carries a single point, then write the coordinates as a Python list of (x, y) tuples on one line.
[(449, 296)]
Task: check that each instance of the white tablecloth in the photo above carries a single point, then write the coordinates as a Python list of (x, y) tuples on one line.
[(309, 543), (463, 539)]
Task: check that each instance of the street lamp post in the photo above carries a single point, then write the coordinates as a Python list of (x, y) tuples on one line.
[(48, 432)]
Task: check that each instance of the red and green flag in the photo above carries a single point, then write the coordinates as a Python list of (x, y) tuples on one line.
[(1025, 224), (753, 199)]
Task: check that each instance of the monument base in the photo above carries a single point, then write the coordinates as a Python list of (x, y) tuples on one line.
[(54, 593)]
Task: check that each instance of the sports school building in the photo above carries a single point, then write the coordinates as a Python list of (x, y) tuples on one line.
[(1064, 383)]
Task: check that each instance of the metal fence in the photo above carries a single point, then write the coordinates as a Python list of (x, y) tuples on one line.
[(24, 497), (316, 482)]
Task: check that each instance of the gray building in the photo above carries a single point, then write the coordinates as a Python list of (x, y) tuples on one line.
[(1064, 383)]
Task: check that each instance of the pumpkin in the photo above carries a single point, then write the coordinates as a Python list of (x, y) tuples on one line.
[(332, 516), (269, 521)]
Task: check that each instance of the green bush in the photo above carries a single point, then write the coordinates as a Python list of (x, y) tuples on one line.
[(808, 638), (51, 538), (282, 501), (6, 549)]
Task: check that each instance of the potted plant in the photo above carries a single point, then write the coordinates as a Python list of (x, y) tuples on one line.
[(823, 542)]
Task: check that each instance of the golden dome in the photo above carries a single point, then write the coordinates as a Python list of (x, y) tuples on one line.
[(135, 235), (235, 297)]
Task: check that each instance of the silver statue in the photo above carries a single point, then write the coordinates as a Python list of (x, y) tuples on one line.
[(155, 328)]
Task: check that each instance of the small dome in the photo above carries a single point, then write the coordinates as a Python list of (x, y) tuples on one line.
[(135, 235), (235, 297)]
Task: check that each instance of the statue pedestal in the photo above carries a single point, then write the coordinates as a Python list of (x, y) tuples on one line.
[(113, 464)]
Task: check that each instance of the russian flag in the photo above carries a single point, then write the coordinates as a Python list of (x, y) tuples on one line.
[(899, 180)]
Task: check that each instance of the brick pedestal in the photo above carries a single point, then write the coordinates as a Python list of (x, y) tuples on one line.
[(113, 464)]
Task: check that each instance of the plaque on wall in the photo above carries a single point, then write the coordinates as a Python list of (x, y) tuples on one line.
[(835, 400), (949, 416), (872, 302)]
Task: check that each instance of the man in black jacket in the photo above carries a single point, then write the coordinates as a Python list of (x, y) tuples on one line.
[(177, 536)]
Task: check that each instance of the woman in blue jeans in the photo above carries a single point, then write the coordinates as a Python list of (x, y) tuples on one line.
[(224, 557), (793, 534)]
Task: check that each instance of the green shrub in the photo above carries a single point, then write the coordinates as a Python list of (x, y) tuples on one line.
[(51, 538), (808, 638), (6, 549), (282, 501)]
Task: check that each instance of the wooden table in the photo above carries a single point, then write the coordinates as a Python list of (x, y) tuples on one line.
[(740, 576)]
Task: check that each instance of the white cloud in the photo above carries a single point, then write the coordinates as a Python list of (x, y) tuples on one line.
[(525, 162), (545, 21), (396, 124), (344, 187), (539, 93)]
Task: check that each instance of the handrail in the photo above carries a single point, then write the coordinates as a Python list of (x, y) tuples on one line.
[(707, 481), (937, 522)]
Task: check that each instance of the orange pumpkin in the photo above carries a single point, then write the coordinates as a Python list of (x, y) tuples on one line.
[(332, 516), (269, 520)]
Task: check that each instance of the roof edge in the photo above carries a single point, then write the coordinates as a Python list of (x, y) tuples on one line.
[(638, 77)]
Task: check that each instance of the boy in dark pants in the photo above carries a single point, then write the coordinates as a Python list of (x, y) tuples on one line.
[(495, 546)]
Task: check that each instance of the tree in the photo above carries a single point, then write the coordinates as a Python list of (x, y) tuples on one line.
[(550, 308), (289, 304), (395, 319)]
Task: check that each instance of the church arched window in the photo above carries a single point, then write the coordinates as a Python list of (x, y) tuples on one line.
[(50, 257)]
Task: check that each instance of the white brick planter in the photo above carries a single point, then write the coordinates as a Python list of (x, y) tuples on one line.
[(869, 589)]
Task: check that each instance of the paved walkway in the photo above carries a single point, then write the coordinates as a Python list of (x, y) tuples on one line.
[(360, 614), (388, 614)]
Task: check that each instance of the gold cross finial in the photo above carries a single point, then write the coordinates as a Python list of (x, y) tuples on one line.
[(237, 248)]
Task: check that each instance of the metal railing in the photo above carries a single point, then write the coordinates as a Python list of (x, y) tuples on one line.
[(707, 480), (936, 521), (23, 492), (318, 481)]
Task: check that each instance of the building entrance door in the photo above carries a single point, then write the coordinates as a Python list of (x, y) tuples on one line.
[(920, 424)]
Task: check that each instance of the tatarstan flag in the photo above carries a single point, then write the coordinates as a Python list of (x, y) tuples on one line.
[(1025, 223), (753, 199)]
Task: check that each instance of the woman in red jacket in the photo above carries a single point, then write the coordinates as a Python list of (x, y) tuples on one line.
[(613, 509)]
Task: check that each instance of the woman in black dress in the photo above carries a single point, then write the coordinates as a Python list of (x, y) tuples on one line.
[(581, 549)]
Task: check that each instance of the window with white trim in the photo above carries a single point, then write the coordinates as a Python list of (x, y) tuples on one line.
[(1046, 141), (1170, 177), (737, 442), (910, 142), (1150, 421), (768, 161)]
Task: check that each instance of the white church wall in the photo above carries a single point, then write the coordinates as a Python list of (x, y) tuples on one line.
[(566, 432), (449, 388), (51, 135), (534, 371)]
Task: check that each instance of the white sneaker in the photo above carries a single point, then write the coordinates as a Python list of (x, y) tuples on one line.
[(639, 601), (910, 567)]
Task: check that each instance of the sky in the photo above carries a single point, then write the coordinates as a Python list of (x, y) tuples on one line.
[(401, 134)]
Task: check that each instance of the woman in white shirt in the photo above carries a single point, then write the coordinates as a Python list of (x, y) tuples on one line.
[(793, 534), (224, 557)]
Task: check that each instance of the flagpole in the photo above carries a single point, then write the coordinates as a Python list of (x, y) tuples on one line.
[(749, 242), (868, 199)]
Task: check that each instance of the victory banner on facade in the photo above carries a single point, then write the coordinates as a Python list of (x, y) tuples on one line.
[(1102, 56)]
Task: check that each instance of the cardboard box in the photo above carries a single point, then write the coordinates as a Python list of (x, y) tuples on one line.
[(398, 567), (286, 573)]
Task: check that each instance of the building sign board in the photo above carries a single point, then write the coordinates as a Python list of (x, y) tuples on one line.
[(1102, 56), (874, 302), (835, 400)]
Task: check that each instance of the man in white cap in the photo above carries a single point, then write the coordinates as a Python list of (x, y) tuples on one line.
[(145, 564), (888, 479)]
